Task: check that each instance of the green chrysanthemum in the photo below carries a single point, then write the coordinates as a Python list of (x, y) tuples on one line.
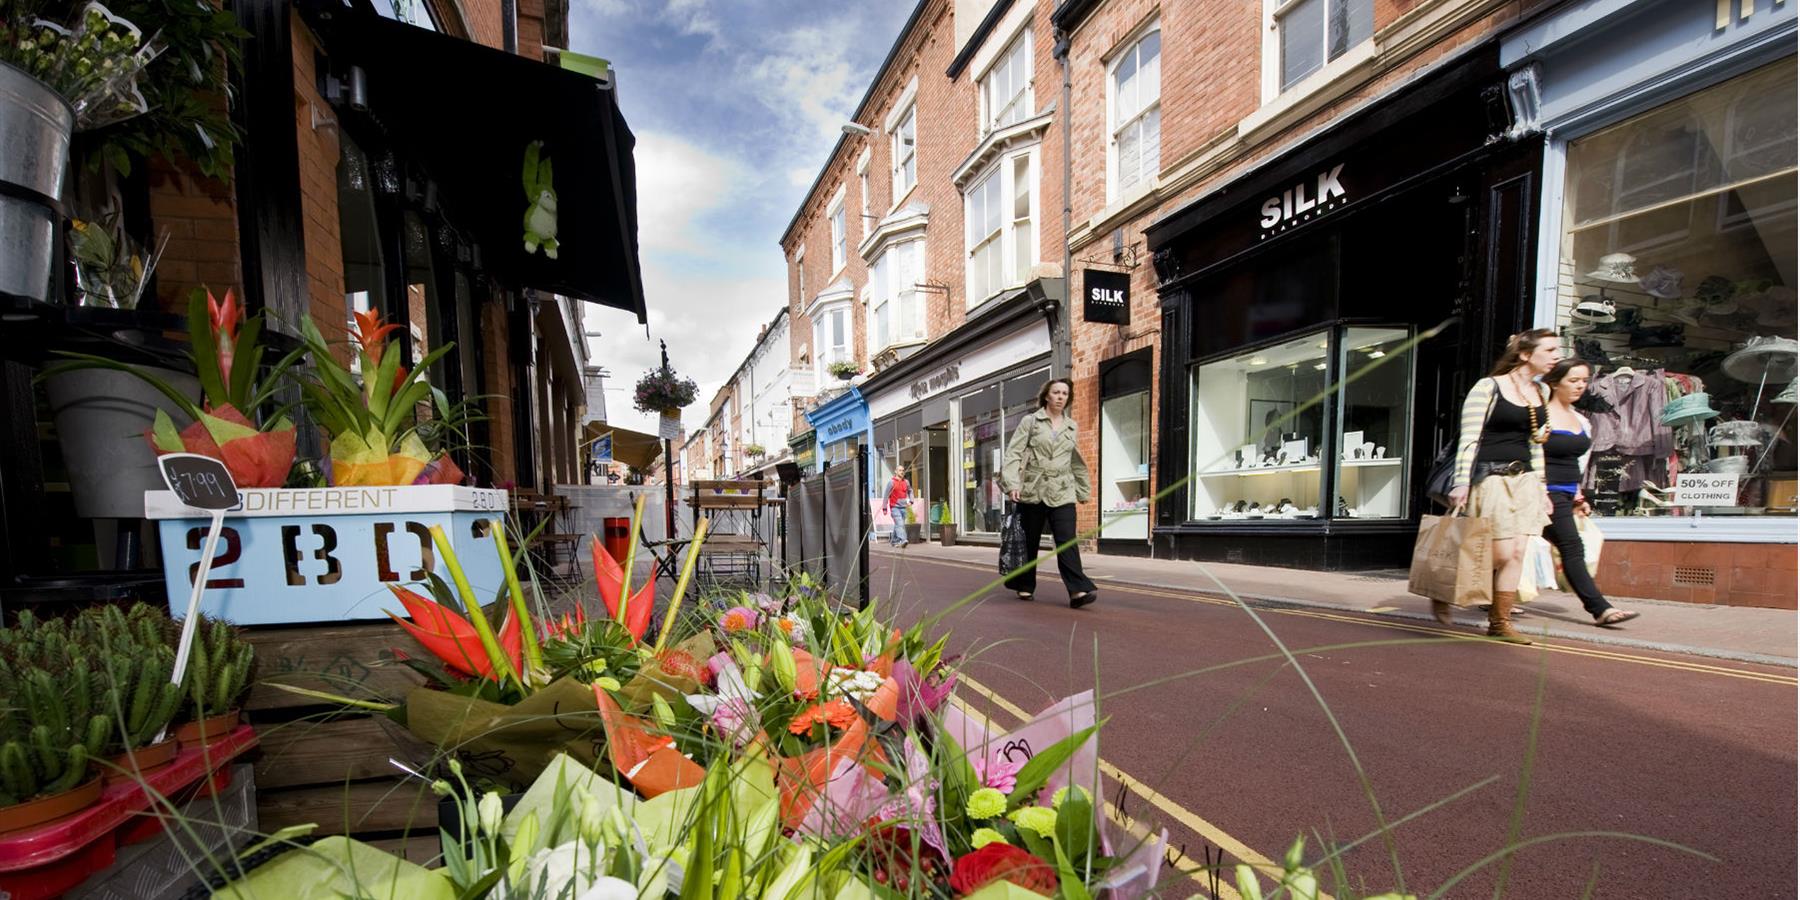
[(1036, 818), (986, 804), (1062, 793), (985, 836)]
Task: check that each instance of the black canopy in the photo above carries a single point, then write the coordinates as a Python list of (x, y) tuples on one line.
[(465, 114)]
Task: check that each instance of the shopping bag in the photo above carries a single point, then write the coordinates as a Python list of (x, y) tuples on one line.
[(1591, 543), (1013, 552), (1541, 569), (1453, 560)]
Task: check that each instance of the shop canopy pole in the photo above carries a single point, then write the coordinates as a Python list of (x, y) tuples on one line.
[(668, 467)]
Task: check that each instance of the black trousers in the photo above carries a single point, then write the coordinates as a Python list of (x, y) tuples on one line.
[(1563, 535), (1062, 530)]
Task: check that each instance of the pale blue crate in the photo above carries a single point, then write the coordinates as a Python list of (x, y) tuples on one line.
[(326, 554)]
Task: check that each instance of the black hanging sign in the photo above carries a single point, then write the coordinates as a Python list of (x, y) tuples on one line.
[(1108, 297), (199, 481)]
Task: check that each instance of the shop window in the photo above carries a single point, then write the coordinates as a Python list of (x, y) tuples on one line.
[(1134, 96), (412, 12), (989, 416), (1260, 439), (365, 287), (895, 310), (1001, 233), (1677, 282), (1006, 95), (1315, 32)]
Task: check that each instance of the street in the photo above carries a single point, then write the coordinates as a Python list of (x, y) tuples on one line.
[(1630, 746)]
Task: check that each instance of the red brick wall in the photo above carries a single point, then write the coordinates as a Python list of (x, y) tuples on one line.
[(319, 153), (1742, 574), (200, 217)]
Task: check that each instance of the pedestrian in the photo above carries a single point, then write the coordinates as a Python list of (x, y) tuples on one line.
[(1565, 460), (898, 495), (1500, 465), (1045, 477)]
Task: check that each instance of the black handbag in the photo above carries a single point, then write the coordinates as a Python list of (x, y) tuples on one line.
[(1443, 475), (1013, 554)]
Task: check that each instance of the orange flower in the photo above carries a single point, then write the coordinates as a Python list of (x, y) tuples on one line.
[(370, 332), (786, 625), (224, 318), (837, 713)]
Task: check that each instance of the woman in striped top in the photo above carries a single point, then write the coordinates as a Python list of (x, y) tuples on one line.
[(1500, 465)]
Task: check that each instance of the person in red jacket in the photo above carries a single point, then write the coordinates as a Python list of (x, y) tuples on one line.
[(899, 492)]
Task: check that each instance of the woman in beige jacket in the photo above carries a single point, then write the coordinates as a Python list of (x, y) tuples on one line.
[(1045, 477)]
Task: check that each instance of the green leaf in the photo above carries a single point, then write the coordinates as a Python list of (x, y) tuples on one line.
[(1040, 767), (165, 435), (246, 356), (1075, 827), (205, 349), (1072, 886)]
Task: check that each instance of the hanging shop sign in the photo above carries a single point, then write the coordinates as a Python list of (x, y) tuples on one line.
[(325, 554), (1108, 298)]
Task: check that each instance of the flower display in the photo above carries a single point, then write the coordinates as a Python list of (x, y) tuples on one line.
[(372, 417), (986, 803), (1002, 862), (661, 390), (738, 618)]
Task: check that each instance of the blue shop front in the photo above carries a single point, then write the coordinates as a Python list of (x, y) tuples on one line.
[(841, 426), (1666, 259)]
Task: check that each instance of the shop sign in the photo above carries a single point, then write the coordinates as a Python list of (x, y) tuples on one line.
[(1108, 298), (839, 428), (327, 554), (945, 377), (1306, 200), (1706, 490)]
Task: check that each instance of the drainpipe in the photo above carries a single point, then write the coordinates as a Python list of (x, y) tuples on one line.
[(509, 26), (1062, 355)]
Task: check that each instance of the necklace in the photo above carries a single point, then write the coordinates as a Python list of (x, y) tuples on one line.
[(1536, 435)]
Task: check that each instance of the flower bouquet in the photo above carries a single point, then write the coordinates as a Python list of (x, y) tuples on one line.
[(227, 351), (94, 61), (661, 390), (373, 424), (110, 270)]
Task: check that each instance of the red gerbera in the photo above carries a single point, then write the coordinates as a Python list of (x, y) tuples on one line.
[(1002, 862)]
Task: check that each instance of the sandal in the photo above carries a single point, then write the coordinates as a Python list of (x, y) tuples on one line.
[(1026, 596), (1615, 616), (1080, 600)]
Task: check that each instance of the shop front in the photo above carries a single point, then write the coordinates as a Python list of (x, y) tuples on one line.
[(1667, 260), (945, 413), (841, 427), (1322, 317)]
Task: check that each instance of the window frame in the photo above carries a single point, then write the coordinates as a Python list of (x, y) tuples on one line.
[(988, 122), (1275, 12), (840, 236), (904, 117), (1130, 47), (888, 289), (1003, 168)]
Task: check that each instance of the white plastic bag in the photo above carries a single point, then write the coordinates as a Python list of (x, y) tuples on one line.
[(1540, 570), (1592, 541)]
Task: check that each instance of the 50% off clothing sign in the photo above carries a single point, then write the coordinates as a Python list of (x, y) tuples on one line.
[(202, 483)]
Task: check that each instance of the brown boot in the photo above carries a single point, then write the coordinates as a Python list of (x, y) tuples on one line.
[(1441, 611), (1500, 618)]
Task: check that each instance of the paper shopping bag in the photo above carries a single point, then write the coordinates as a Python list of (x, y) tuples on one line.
[(1453, 560)]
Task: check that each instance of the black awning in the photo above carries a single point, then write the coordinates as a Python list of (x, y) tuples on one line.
[(466, 113)]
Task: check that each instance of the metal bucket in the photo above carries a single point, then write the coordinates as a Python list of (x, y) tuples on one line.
[(35, 123)]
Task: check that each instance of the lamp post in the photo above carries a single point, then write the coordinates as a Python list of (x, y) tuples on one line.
[(668, 465)]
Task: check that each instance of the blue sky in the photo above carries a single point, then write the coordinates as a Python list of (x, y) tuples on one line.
[(735, 104)]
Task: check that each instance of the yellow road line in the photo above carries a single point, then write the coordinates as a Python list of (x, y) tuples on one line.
[(1541, 643), (1176, 811)]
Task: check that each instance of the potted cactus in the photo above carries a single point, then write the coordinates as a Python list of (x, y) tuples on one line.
[(137, 665), (218, 672), (50, 726)]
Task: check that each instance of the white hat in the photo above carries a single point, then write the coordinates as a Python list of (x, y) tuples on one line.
[(1765, 358), (1616, 267)]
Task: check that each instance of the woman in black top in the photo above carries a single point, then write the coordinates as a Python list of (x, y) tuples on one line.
[(1565, 456)]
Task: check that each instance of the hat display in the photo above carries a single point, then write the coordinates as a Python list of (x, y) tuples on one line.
[(1727, 465), (1775, 307), (1689, 409), (1594, 309), (1765, 358), (1737, 433), (1787, 396), (1663, 282), (1616, 267)]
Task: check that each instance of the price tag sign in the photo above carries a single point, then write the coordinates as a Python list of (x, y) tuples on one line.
[(199, 481)]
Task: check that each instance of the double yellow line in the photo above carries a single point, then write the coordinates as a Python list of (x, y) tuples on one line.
[(1541, 642)]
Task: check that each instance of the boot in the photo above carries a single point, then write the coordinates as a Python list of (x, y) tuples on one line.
[(1441, 611), (1500, 618)]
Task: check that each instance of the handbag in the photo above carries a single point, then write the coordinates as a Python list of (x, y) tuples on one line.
[(1442, 476), (1453, 560), (1013, 554)]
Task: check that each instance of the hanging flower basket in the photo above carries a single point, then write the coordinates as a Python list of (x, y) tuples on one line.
[(662, 391)]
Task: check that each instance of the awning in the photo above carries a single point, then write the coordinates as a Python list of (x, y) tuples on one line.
[(633, 448), (466, 113)]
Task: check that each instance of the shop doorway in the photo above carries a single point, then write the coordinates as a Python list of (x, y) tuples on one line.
[(937, 479)]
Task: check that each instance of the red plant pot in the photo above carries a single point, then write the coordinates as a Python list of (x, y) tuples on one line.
[(129, 765), (55, 806), (206, 731)]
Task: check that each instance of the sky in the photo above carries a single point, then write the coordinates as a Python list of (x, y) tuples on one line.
[(735, 105)]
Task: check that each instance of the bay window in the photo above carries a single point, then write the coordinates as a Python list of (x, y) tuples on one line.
[(1000, 216)]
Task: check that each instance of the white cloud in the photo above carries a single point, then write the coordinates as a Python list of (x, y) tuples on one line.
[(678, 184)]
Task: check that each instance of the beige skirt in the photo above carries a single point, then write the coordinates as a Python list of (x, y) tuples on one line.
[(1512, 504)]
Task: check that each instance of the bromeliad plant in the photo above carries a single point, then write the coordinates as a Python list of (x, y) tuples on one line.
[(227, 353), (373, 418)]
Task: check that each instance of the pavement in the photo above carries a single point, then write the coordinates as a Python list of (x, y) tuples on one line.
[(1763, 636)]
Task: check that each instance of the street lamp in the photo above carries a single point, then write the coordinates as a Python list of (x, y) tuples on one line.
[(856, 129)]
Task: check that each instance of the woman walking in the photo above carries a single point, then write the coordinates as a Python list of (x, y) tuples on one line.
[(1500, 465), (1045, 476), (1565, 459)]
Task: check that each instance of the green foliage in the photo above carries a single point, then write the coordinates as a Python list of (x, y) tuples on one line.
[(50, 726), (370, 406), (218, 669)]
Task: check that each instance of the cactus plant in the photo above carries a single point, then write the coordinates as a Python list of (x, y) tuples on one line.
[(218, 669), (50, 726), (137, 663)]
